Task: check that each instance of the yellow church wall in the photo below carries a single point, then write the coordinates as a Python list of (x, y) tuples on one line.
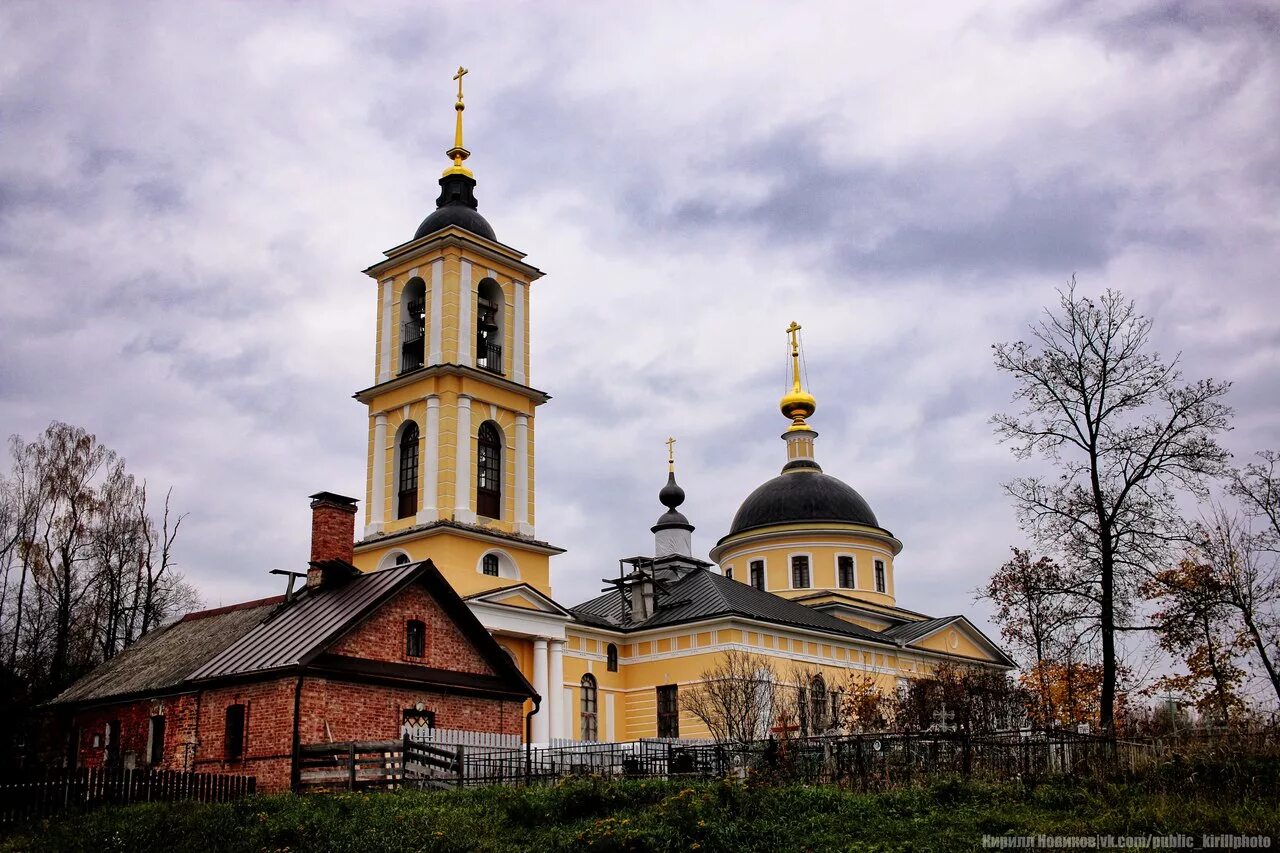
[(457, 556), (777, 552)]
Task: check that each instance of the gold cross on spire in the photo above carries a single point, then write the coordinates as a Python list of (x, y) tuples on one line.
[(671, 454), (458, 153)]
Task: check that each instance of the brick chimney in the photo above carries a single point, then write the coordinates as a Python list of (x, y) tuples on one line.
[(333, 532)]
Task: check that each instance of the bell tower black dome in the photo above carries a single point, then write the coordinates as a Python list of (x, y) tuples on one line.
[(456, 206)]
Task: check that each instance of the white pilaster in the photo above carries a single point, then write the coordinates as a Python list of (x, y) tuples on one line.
[(522, 476), (437, 311), (379, 463), (384, 352), (541, 726), (462, 464), (608, 718), (517, 349), (466, 329), (555, 689), (431, 461)]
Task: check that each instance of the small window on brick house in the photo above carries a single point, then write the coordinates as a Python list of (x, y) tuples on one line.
[(844, 566), (611, 658), (233, 742), (668, 711), (880, 585), (800, 572), (757, 574), (155, 740), (113, 743), (490, 565), (415, 638)]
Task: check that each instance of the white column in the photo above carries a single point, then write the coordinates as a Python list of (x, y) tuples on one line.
[(555, 690), (437, 311), (431, 461), (517, 349), (541, 728), (384, 352), (379, 466), (522, 476), (462, 464), (466, 329)]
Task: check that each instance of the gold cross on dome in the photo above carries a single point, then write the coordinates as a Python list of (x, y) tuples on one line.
[(795, 342), (671, 452), (461, 73)]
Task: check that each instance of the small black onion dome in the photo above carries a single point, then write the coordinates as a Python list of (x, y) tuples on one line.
[(800, 495), (671, 497), (456, 206)]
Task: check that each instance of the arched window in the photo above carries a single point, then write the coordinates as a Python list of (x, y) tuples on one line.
[(590, 719), (611, 658), (489, 304), (817, 704), (402, 559), (490, 565), (489, 472), (413, 324), (407, 476)]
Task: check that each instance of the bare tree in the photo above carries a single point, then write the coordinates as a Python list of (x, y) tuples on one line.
[(1244, 576), (1124, 433), (735, 697)]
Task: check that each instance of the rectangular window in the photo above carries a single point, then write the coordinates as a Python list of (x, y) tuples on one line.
[(233, 742), (728, 572), (845, 568), (757, 574), (113, 743), (668, 711), (490, 565), (415, 638), (155, 753), (880, 587), (799, 572)]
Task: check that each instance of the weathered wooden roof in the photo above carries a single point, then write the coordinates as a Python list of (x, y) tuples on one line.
[(166, 657)]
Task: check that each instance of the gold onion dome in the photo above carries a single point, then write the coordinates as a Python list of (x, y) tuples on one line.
[(797, 404)]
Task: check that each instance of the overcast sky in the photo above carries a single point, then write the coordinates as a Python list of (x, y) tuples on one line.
[(188, 193)]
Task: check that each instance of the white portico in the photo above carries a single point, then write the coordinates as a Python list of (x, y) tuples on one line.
[(523, 614)]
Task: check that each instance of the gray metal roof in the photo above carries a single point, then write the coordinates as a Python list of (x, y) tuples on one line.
[(165, 658), (908, 631), (702, 594), (299, 629)]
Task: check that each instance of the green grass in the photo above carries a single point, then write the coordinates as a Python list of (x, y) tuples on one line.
[(586, 815)]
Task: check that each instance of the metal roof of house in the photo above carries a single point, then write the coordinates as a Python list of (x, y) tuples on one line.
[(702, 594), (298, 630), (165, 658)]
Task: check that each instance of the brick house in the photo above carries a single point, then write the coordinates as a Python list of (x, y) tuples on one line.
[(352, 656)]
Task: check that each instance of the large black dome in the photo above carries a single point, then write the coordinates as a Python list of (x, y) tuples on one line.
[(802, 495), (456, 206)]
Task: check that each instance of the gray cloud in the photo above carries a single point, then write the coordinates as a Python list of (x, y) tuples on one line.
[(187, 198)]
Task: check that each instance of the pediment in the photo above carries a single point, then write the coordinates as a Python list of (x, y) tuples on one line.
[(522, 596)]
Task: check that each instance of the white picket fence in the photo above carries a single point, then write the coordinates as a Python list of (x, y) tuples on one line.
[(460, 737)]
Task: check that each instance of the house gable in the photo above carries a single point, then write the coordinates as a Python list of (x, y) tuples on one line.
[(382, 636), (959, 637)]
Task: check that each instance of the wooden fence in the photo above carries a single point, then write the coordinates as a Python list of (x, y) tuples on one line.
[(73, 790), (364, 765)]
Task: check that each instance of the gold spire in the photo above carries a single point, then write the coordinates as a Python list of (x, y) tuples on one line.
[(671, 455), (457, 153), (797, 404)]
